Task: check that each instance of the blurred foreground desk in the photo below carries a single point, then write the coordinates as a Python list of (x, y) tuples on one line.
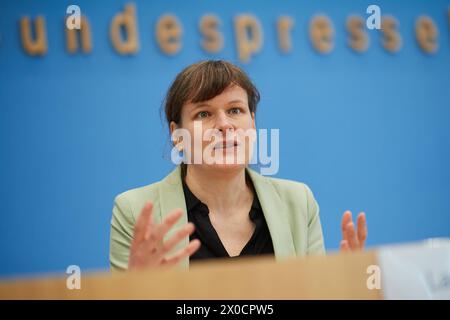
[(412, 271), (327, 277)]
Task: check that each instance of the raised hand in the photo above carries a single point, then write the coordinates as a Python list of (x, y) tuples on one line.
[(353, 240), (148, 249)]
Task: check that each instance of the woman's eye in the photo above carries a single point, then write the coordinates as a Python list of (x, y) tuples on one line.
[(202, 114), (235, 111)]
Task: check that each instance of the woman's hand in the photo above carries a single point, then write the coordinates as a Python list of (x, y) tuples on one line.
[(149, 250), (352, 240)]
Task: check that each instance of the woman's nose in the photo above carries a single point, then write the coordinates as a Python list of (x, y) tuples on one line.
[(223, 123)]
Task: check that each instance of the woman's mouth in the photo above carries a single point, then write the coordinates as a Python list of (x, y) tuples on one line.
[(226, 145)]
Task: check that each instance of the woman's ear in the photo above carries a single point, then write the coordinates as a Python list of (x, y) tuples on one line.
[(177, 140), (253, 120), (173, 126)]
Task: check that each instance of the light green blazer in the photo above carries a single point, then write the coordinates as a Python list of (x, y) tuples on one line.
[(291, 212)]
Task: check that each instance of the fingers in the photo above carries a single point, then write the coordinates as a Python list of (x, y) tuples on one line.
[(193, 246), (354, 239), (179, 236), (143, 224), (148, 249), (362, 229), (160, 230), (351, 236), (346, 219), (344, 247)]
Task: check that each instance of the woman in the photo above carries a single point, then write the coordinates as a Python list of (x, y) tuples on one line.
[(211, 209)]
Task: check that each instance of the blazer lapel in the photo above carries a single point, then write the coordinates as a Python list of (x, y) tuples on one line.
[(275, 212)]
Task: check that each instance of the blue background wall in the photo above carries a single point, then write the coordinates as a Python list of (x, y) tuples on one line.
[(365, 131)]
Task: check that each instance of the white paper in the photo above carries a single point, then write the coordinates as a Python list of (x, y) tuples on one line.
[(416, 271)]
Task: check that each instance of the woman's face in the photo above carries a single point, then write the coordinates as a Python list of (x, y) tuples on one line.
[(222, 130)]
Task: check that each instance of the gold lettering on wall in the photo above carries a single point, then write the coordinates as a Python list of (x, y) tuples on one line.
[(391, 39), (284, 26), (427, 34), (84, 34), (38, 45), (213, 39), (126, 21), (249, 37), (358, 39), (168, 34), (321, 34), (248, 34)]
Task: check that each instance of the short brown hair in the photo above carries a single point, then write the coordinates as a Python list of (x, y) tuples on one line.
[(203, 81)]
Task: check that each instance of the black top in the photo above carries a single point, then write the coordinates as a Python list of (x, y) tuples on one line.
[(211, 246)]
